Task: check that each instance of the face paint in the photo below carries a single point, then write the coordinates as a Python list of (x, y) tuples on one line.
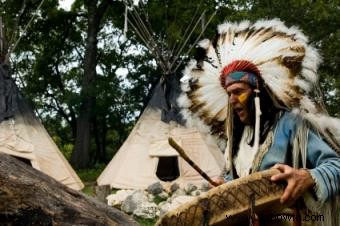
[(239, 95), (243, 98)]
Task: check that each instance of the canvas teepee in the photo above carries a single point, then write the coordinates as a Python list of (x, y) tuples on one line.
[(146, 157), (24, 137)]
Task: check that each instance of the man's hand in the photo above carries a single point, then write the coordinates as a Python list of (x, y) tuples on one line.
[(298, 182), (217, 180)]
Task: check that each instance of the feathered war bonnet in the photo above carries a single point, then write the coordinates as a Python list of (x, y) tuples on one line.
[(283, 59)]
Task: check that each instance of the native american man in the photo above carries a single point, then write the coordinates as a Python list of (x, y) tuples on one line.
[(255, 89)]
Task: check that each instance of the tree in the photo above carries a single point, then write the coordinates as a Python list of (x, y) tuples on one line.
[(102, 84), (51, 53), (95, 11)]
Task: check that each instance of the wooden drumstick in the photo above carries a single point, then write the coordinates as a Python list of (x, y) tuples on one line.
[(181, 152)]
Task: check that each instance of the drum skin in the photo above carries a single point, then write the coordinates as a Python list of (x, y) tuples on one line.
[(230, 203)]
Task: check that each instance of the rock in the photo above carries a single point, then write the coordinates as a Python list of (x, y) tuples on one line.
[(178, 192), (165, 207), (190, 188), (162, 203), (133, 201), (195, 193), (204, 186), (117, 199), (155, 188), (174, 187), (180, 200), (163, 195), (166, 187), (147, 210), (151, 197)]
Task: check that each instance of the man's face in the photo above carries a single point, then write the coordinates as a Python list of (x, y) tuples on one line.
[(238, 96)]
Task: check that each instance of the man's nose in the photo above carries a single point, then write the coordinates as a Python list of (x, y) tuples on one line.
[(233, 99)]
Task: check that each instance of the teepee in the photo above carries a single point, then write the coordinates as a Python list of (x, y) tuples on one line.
[(146, 157), (24, 137)]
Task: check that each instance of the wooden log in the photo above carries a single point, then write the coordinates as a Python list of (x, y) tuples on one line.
[(29, 197)]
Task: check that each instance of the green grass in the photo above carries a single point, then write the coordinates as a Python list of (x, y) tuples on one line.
[(145, 222), (89, 177), (158, 199), (89, 189)]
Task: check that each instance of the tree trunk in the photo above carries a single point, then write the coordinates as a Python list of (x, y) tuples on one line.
[(100, 131), (81, 154), (80, 157), (29, 197)]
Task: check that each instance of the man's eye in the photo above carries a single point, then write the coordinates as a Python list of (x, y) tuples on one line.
[(238, 92)]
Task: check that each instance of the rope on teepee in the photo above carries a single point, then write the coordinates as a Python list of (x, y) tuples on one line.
[(177, 44), (166, 58), (145, 34), (186, 41), (199, 36), (125, 22)]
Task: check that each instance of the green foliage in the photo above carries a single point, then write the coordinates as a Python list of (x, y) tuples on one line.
[(90, 175), (158, 199), (65, 148), (146, 222), (89, 189)]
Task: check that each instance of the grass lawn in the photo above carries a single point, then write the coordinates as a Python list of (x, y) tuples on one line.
[(89, 177)]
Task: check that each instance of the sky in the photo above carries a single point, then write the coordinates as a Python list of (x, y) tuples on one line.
[(66, 4)]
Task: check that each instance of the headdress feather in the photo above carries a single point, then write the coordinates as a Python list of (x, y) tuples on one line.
[(284, 60)]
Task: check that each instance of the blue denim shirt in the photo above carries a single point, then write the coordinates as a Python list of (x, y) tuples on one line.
[(323, 162)]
